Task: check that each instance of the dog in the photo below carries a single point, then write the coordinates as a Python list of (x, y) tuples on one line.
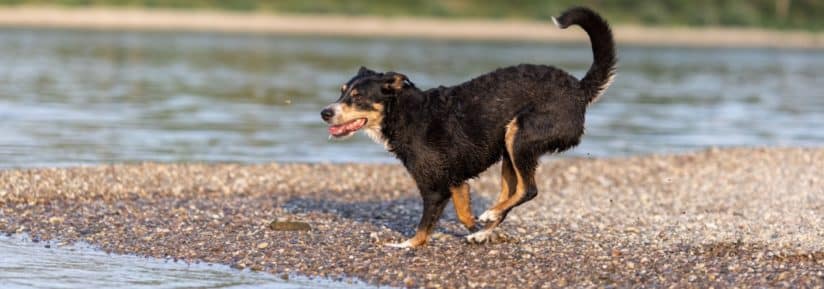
[(445, 136)]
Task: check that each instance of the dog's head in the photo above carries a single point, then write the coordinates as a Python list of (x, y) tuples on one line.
[(363, 101)]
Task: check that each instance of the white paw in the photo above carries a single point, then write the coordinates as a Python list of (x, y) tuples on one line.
[(479, 237), (490, 216), (404, 244)]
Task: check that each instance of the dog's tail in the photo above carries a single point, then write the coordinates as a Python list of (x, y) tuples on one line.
[(602, 71)]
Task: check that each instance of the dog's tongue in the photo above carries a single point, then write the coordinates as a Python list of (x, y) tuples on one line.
[(346, 128), (337, 129)]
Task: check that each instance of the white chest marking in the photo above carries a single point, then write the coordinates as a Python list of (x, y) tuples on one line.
[(376, 135)]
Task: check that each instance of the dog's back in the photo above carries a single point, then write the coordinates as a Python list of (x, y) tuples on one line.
[(477, 112)]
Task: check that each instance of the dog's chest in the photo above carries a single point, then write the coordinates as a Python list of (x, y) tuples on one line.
[(376, 135)]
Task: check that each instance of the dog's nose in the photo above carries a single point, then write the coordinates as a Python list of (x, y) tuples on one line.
[(327, 113)]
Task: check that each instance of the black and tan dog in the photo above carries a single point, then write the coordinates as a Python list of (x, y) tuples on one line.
[(447, 135)]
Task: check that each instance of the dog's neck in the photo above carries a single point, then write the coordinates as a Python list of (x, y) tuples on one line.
[(405, 116)]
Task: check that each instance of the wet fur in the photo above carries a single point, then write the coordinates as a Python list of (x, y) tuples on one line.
[(447, 135)]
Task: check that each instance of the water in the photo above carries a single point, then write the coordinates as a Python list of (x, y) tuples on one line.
[(84, 97), (24, 264)]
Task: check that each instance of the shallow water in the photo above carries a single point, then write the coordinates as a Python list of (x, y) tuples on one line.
[(83, 97), (25, 264)]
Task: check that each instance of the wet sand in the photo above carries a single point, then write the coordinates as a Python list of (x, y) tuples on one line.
[(367, 26), (721, 217)]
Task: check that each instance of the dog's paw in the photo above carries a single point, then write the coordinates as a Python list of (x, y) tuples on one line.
[(479, 237), (405, 244), (490, 236), (490, 216)]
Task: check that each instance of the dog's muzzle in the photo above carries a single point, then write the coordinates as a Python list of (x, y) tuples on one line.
[(327, 114)]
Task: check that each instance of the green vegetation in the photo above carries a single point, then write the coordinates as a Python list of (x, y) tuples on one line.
[(783, 14)]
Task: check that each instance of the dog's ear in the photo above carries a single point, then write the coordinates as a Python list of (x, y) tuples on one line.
[(365, 71), (395, 82)]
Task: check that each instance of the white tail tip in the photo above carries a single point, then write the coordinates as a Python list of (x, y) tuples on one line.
[(555, 21)]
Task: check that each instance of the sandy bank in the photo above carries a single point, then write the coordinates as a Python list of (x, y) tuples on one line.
[(714, 218), (505, 30)]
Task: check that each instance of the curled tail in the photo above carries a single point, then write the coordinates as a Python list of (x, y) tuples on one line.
[(602, 71)]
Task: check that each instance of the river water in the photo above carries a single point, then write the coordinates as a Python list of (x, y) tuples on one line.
[(26, 264), (71, 97)]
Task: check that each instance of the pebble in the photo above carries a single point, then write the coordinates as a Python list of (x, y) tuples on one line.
[(409, 282), (289, 226), (718, 218)]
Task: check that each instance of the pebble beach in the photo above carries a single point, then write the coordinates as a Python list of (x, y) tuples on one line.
[(745, 217)]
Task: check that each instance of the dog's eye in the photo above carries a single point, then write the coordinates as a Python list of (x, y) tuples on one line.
[(355, 94)]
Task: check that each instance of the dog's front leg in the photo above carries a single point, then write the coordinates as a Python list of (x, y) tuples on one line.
[(433, 204)]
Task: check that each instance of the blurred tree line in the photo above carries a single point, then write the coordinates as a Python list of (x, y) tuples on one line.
[(796, 14)]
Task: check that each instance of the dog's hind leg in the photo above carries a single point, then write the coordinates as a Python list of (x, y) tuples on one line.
[(433, 205), (508, 179), (509, 183), (463, 205), (524, 162)]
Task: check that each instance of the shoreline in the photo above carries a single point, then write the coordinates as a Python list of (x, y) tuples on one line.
[(370, 26), (714, 218), (31, 263)]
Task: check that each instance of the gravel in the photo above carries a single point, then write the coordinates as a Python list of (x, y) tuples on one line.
[(747, 217)]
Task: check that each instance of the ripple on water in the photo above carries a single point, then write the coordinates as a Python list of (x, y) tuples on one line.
[(90, 97)]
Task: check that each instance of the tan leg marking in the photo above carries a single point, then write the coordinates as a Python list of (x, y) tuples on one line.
[(508, 180), (520, 187), (463, 205), (494, 214), (431, 214), (419, 239)]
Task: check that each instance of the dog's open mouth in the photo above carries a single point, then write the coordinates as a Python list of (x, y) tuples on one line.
[(347, 128)]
